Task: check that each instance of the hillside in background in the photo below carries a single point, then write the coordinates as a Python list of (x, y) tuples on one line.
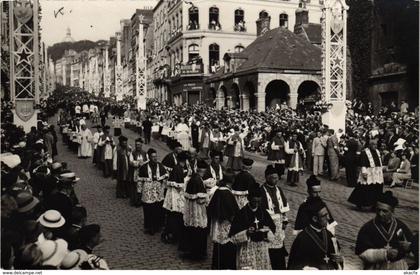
[(57, 50)]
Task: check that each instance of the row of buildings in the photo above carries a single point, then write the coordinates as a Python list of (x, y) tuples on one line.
[(246, 54)]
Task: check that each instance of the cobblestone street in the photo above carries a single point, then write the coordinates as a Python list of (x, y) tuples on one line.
[(127, 247)]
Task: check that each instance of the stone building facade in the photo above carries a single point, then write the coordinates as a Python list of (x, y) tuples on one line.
[(199, 33)]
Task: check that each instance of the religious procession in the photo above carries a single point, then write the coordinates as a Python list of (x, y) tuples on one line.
[(97, 175)]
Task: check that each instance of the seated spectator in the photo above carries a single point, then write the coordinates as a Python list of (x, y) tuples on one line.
[(393, 165), (90, 236), (53, 253), (29, 258), (402, 173), (74, 260)]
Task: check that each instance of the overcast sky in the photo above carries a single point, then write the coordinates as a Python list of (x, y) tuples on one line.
[(87, 19)]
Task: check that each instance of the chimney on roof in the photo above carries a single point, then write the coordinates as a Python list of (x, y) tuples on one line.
[(263, 24), (302, 15)]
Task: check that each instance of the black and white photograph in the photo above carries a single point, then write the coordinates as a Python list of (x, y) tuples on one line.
[(209, 135)]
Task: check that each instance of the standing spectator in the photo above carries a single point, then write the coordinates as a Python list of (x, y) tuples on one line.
[(332, 149), (147, 130), (318, 153)]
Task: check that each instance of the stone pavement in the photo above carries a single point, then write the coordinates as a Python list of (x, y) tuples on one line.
[(127, 247)]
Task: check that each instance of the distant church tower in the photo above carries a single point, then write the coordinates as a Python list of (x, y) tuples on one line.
[(68, 37)]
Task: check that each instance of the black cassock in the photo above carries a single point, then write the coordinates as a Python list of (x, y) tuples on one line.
[(254, 252), (370, 237), (222, 208), (310, 249), (303, 217), (169, 161)]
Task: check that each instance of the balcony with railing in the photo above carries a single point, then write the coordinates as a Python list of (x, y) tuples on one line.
[(175, 34), (188, 69)]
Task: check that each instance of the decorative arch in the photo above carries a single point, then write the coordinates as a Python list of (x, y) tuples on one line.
[(235, 94), (222, 97), (276, 92), (309, 92)]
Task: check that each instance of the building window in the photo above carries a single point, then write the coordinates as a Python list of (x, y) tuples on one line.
[(239, 21), (214, 57), (284, 20), (263, 15), (193, 19), (239, 48), (193, 52), (214, 23)]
